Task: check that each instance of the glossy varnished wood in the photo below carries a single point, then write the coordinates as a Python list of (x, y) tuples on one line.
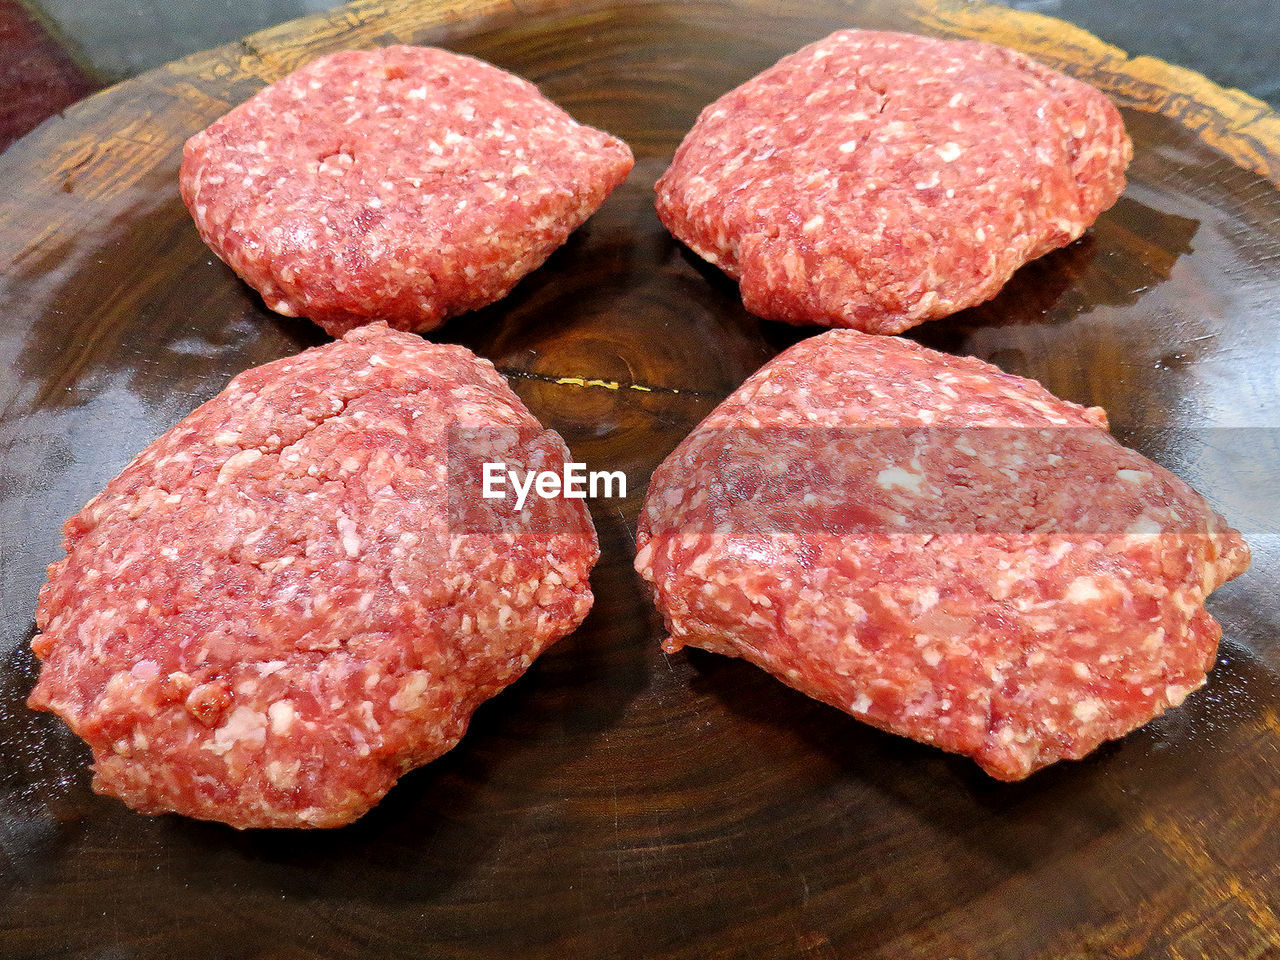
[(618, 802)]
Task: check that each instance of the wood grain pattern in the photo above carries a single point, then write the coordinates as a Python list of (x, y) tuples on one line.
[(618, 802)]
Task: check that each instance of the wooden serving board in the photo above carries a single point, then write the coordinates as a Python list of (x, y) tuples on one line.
[(619, 803)]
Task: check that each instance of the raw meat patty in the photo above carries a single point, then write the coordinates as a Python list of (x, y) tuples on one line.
[(878, 180), (268, 616), (939, 549), (406, 184)]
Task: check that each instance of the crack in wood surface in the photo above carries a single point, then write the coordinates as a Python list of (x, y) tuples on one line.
[(599, 383)]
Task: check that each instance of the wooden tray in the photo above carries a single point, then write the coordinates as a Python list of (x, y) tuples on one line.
[(619, 803)]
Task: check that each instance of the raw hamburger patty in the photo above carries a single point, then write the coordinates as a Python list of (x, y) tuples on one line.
[(406, 184), (939, 549), (267, 617), (878, 180)]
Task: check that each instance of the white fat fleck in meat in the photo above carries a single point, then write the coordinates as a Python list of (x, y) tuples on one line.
[(283, 774), (238, 462), (898, 477), (1087, 710), (1144, 526), (350, 538), (145, 670), (1083, 590), (281, 714), (245, 727), (411, 692), (949, 152)]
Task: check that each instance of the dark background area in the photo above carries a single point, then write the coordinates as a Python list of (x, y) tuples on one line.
[(53, 52)]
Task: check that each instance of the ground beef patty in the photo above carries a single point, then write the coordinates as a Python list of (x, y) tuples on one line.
[(878, 180), (268, 616), (406, 184), (940, 549)]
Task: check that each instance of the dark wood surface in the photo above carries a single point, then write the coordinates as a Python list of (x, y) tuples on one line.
[(617, 802)]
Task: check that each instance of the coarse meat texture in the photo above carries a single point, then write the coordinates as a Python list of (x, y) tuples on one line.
[(940, 549), (406, 184), (877, 180), (269, 616)]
